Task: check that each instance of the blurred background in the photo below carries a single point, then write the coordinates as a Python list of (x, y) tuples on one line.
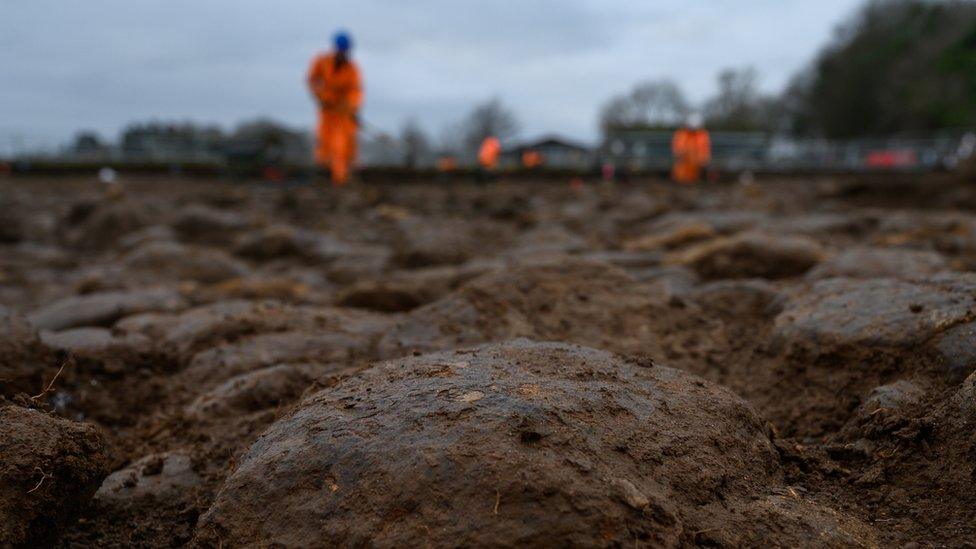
[(787, 85)]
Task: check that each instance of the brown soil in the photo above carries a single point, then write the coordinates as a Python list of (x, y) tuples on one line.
[(51, 468), (201, 363)]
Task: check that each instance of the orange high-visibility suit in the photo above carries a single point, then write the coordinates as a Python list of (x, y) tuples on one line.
[(488, 154), (532, 159), (446, 163), (339, 91), (692, 149)]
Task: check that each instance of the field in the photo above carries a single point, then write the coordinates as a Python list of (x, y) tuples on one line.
[(782, 363)]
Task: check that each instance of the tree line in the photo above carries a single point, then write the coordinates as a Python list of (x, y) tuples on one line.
[(893, 67), (896, 66)]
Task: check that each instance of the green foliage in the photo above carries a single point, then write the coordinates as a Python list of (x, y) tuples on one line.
[(898, 66)]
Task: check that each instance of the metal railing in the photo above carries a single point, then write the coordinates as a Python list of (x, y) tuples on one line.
[(637, 150)]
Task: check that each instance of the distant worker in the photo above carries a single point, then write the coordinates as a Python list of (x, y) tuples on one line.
[(488, 155), (446, 163), (489, 152), (532, 159), (334, 81), (692, 149)]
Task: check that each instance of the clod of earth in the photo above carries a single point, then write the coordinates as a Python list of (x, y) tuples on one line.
[(751, 255), (24, 360), (51, 467), (518, 443)]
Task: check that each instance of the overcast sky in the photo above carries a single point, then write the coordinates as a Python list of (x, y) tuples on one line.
[(68, 65)]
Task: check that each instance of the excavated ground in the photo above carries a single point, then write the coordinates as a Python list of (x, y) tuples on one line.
[(789, 363)]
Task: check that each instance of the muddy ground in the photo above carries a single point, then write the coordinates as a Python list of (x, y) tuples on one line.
[(195, 362)]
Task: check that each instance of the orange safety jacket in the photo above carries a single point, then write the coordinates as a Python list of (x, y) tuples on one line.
[(692, 151), (337, 87), (489, 151), (532, 159), (692, 146)]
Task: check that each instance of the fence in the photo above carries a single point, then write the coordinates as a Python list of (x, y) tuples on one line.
[(740, 151), (636, 150)]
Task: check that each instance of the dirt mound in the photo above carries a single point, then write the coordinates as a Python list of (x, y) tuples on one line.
[(12, 228), (720, 221), (430, 241), (181, 262), (102, 349), (104, 308), (249, 354), (879, 313), (842, 338), (24, 360), (202, 328), (546, 239), (258, 390), (582, 302), (361, 262), (284, 288), (406, 290), (180, 334), (949, 232), (738, 300), (671, 237), (912, 447), (577, 301), (751, 255), (634, 262), (824, 225), (863, 262), (158, 476), (202, 224), (149, 503), (152, 233), (517, 444), (101, 224), (51, 467), (283, 241)]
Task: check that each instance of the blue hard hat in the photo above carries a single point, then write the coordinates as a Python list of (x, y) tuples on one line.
[(342, 41)]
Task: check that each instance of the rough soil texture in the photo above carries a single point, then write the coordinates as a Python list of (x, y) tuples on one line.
[(51, 468), (517, 444), (24, 360), (201, 363)]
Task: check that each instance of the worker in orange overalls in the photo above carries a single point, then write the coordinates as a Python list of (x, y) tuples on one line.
[(446, 163), (692, 150), (488, 153), (334, 81), (531, 159)]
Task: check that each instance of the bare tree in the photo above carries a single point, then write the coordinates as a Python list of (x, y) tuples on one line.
[(88, 143), (414, 142), (491, 118), (738, 105), (654, 103), (450, 139)]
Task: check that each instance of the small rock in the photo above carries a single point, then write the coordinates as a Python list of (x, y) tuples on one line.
[(163, 477)]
